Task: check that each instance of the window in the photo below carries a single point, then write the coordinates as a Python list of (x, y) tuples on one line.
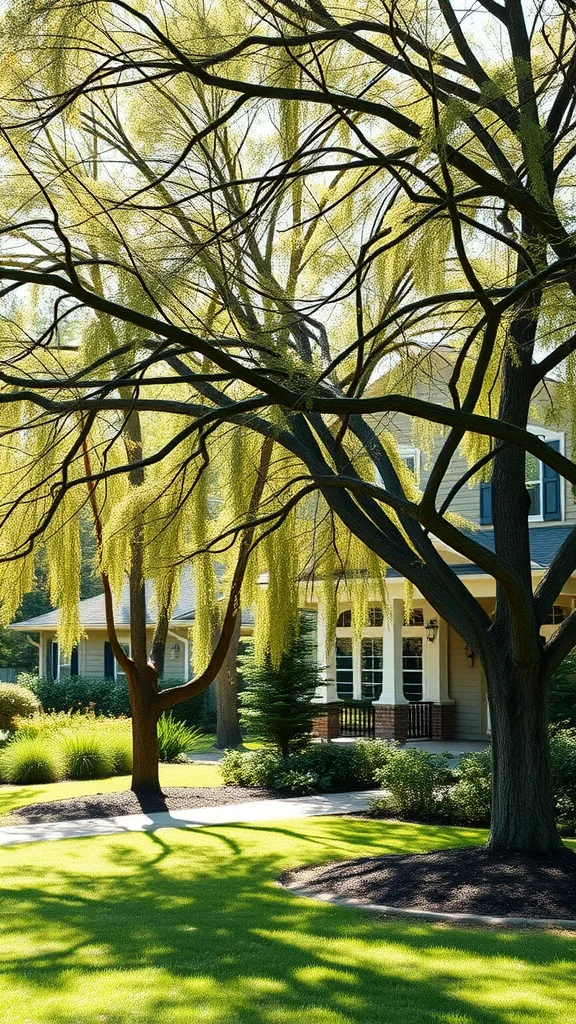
[(60, 666), (375, 617), (412, 668), (558, 614), (119, 673), (371, 667), (416, 617), (543, 484), (410, 456), (344, 620), (344, 668)]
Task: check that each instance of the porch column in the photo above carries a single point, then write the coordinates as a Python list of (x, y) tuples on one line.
[(326, 690), (436, 679), (391, 708)]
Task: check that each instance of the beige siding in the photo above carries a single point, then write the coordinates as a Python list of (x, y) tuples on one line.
[(174, 663), (91, 655), (467, 501), (467, 690)]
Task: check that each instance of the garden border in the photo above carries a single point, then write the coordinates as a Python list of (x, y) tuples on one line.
[(437, 916)]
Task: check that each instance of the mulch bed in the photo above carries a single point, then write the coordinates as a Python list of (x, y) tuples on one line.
[(108, 805), (467, 880)]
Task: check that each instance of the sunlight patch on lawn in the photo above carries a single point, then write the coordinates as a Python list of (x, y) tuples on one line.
[(177, 926)]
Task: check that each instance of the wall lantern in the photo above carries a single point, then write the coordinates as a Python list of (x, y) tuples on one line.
[(174, 652), (470, 655), (431, 630)]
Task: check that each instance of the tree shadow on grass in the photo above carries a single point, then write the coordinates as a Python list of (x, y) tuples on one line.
[(198, 930)]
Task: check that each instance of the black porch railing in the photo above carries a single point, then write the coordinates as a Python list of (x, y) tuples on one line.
[(420, 720), (357, 719)]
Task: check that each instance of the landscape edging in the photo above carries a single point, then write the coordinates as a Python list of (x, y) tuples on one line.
[(437, 916)]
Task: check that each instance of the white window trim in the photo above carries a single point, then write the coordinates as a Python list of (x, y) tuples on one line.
[(404, 451), (545, 434), (52, 642), (117, 670), (420, 631), (410, 451), (346, 633)]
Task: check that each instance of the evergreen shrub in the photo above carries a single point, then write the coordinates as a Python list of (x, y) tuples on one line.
[(277, 702)]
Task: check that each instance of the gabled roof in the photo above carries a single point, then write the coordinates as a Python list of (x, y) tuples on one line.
[(93, 611)]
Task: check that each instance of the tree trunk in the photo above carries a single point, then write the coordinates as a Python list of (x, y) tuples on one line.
[(145, 775), (228, 732), (523, 816)]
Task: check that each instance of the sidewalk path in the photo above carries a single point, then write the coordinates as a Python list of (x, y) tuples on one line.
[(254, 810)]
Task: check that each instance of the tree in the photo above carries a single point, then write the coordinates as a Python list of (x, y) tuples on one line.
[(422, 175), (278, 700), (228, 732)]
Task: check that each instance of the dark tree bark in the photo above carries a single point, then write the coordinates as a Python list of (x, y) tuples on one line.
[(228, 733), (145, 774), (522, 797)]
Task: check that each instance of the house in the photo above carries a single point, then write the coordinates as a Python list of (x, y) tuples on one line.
[(421, 678), (93, 656), (418, 679)]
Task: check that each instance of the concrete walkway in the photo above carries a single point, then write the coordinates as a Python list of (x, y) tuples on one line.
[(252, 811)]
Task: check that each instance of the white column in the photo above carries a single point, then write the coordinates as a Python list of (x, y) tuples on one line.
[(357, 669), (326, 691), (436, 661), (392, 657)]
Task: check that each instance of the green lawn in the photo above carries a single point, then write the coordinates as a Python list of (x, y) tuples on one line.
[(12, 797), (179, 927)]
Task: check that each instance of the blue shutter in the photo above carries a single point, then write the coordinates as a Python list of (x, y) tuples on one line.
[(108, 661), (74, 662), (55, 659), (486, 503), (551, 505)]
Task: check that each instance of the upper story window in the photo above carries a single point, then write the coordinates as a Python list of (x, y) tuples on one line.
[(542, 483), (410, 456)]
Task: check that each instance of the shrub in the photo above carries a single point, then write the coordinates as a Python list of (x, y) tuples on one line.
[(29, 680), (563, 754), (251, 768), (120, 747), (470, 799), (15, 700), (417, 782), (86, 755), (319, 768), (562, 693), (174, 737), (278, 702), (28, 760), (107, 697)]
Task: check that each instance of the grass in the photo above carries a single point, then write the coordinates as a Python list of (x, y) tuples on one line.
[(177, 926), (12, 797), (207, 742)]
